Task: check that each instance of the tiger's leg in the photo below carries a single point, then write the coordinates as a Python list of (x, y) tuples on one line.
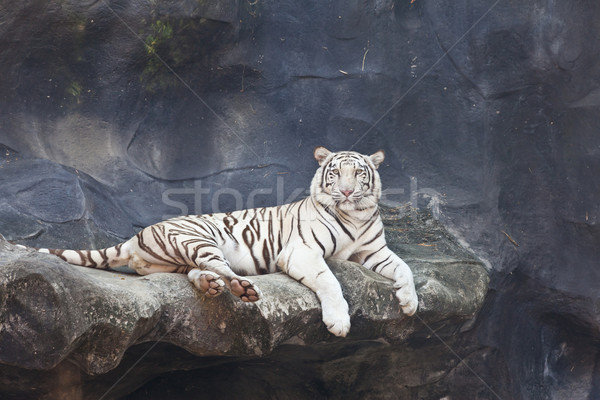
[(211, 258), (207, 282), (388, 264), (190, 256), (308, 267), (144, 267)]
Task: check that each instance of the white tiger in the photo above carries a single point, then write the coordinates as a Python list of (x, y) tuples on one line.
[(340, 219)]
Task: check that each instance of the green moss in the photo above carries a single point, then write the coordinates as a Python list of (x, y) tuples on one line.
[(179, 47), (161, 31), (74, 90), (160, 48)]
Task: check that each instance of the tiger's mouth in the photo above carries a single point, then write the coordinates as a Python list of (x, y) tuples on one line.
[(355, 197), (343, 199), (348, 202)]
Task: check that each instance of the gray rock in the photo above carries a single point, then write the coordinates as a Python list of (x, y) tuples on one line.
[(77, 324)]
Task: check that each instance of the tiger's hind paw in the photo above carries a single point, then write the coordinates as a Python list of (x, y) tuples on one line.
[(245, 289), (207, 282)]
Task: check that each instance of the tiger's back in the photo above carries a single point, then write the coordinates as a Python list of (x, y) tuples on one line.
[(253, 240)]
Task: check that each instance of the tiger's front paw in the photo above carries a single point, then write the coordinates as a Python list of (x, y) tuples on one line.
[(336, 319), (407, 296)]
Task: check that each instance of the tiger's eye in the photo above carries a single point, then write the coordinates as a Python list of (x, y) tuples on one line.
[(336, 171), (359, 171)]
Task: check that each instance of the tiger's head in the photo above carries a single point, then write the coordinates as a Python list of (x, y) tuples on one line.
[(347, 180)]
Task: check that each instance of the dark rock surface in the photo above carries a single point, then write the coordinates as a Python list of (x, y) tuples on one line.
[(487, 111), (56, 316)]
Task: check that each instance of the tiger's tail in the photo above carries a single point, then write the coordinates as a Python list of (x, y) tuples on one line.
[(109, 257)]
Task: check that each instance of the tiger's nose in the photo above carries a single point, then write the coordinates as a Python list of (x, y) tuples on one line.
[(347, 193)]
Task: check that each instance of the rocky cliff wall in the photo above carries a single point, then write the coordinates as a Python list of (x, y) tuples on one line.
[(115, 114)]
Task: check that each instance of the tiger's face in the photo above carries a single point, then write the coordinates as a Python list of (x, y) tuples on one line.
[(347, 180)]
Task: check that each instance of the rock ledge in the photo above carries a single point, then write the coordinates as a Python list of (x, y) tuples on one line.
[(52, 313)]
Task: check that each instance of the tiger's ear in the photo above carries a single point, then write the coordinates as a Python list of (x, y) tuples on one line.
[(377, 158), (321, 153)]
